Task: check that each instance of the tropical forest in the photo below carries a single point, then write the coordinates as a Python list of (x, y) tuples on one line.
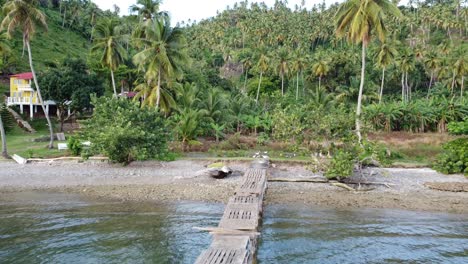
[(273, 131)]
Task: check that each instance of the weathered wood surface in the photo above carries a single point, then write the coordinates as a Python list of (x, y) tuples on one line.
[(235, 238)]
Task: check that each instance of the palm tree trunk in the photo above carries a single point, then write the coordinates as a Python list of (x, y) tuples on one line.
[(453, 83), (320, 81), (245, 79), (408, 88), (381, 85), (462, 84), (4, 143), (158, 95), (258, 89), (361, 89), (297, 86), (403, 87), (64, 16), (113, 83), (51, 129), (430, 85), (282, 84)]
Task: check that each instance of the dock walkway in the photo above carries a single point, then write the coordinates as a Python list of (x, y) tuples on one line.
[(235, 238)]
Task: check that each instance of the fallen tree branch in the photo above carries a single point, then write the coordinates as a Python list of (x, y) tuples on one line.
[(316, 180), (344, 186)]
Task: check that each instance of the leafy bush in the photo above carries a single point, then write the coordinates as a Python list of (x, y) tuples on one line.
[(454, 158), (74, 145), (341, 165), (124, 132), (458, 128)]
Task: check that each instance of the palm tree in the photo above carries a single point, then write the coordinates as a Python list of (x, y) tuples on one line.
[(298, 67), (146, 9), (406, 64), (357, 19), (432, 63), (163, 55), (262, 66), (24, 15), (247, 64), (108, 40), (320, 69), (282, 66), (385, 57)]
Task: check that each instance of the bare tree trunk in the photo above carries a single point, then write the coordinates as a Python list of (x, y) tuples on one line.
[(46, 113), (381, 85), (258, 89), (361, 89), (113, 83), (4, 143)]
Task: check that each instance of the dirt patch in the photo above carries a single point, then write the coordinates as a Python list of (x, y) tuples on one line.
[(178, 180)]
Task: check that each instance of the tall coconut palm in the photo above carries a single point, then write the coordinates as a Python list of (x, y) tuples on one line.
[(164, 53), (282, 61), (321, 69), (298, 67), (262, 66), (26, 17), (432, 63), (357, 19), (108, 40), (384, 58), (146, 9)]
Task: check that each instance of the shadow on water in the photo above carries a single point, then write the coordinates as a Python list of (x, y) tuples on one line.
[(58, 228), (301, 234)]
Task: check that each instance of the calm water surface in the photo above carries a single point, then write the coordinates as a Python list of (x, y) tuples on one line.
[(58, 228)]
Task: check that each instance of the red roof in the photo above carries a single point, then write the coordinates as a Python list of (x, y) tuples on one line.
[(23, 76)]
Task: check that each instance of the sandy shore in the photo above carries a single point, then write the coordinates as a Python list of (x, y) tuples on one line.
[(178, 180)]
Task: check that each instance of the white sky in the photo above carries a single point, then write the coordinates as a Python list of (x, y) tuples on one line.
[(182, 10)]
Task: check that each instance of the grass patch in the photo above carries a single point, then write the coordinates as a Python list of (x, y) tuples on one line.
[(21, 143)]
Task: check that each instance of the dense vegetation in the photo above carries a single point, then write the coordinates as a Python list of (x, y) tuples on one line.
[(287, 75)]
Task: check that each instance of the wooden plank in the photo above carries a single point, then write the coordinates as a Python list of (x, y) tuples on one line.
[(235, 238)]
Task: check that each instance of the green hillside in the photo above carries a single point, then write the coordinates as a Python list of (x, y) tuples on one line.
[(49, 48)]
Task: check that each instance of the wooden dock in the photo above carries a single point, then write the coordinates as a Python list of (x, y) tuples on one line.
[(235, 238)]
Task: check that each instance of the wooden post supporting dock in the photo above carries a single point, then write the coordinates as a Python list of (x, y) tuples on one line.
[(235, 238)]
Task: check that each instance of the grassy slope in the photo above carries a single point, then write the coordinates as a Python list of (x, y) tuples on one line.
[(51, 47)]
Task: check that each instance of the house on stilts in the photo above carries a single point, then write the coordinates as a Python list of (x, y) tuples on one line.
[(23, 95)]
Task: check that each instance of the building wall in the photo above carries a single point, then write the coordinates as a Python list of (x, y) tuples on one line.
[(14, 92)]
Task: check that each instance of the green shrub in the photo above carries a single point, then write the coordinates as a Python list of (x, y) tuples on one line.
[(124, 132), (454, 158), (341, 165), (74, 145), (458, 128), (263, 138)]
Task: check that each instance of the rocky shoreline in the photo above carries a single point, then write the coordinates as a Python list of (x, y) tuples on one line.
[(180, 180)]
